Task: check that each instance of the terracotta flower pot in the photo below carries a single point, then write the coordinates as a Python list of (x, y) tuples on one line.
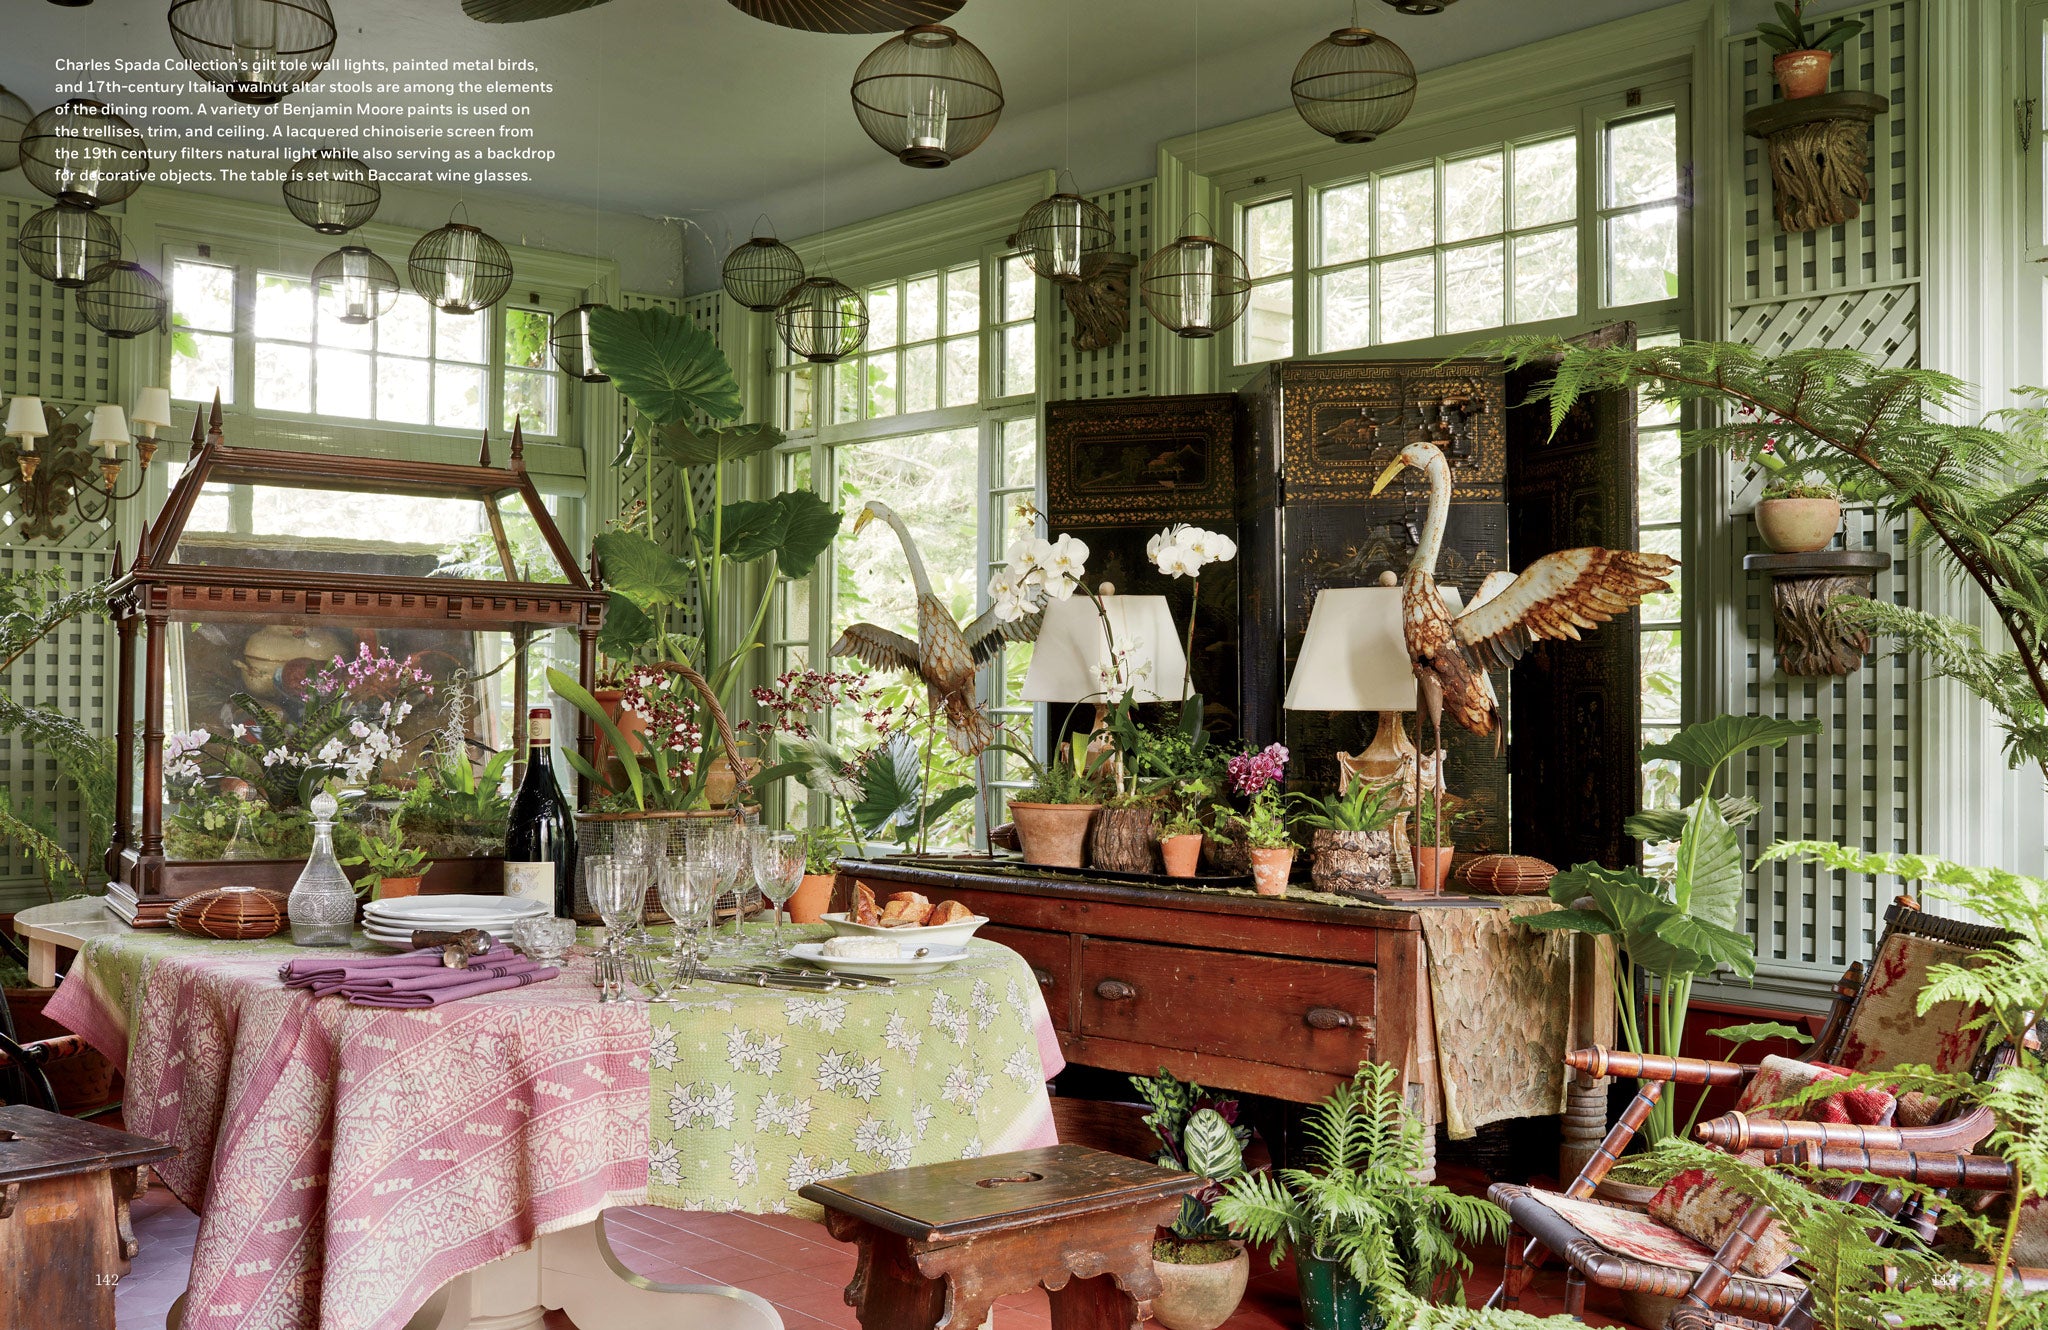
[(721, 786), (1183, 854), (1795, 526), (393, 887), (1270, 869), (1121, 841), (813, 897), (1054, 835), (1432, 867), (1350, 863), (1199, 1297), (1803, 73)]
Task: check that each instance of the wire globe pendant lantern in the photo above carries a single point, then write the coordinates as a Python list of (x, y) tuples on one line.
[(258, 52), (927, 95), (761, 273), (569, 344), (126, 302), (14, 118), (1422, 8), (460, 269), (1354, 85), (1065, 238), (824, 320), (355, 286), (69, 246), (331, 192), (1197, 286), (81, 153)]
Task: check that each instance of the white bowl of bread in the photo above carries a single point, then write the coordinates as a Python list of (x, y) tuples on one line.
[(906, 915)]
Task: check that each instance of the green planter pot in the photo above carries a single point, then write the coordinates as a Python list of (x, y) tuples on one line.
[(1330, 1298)]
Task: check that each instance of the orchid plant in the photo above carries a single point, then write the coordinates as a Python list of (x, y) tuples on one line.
[(1184, 551), (1036, 571)]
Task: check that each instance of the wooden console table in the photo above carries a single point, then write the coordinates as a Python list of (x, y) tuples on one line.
[(1276, 997)]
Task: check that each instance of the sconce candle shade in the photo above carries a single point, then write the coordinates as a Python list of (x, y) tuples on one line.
[(25, 419), (459, 269), (569, 344), (1354, 85), (1064, 238), (14, 118), (81, 153), (126, 302), (1197, 286), (256, 51), (762, 273), (823, 321), (152, 411), (109, 426), (928, 95), (354, 285), (69, 246), (331, 192)]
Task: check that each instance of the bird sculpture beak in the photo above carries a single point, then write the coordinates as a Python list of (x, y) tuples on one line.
[(867, 515), (1387, 476)]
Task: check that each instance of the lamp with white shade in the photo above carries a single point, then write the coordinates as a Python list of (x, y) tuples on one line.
[(1074, 649)]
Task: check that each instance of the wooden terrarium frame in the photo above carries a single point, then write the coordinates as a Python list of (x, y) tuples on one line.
[(156, 591)]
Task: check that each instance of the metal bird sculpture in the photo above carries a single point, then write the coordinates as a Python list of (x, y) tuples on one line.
[(1553, 598), (946, 658)]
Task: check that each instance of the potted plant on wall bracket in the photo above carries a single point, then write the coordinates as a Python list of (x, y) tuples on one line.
[(1352, 850), (1805, 52), (1202, 1271), (1797, 515)]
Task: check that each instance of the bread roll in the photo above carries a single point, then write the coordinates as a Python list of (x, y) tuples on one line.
[(948, 912), (864, 911), (905, 908)]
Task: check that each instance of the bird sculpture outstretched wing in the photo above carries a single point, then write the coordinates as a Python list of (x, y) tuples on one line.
[(1555, 597), (987, 634), (877, 648)]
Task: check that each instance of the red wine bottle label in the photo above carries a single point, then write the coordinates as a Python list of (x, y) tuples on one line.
[(540, 727), (532, 882)]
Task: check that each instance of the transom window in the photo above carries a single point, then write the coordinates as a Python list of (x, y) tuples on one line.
[(413, 367)]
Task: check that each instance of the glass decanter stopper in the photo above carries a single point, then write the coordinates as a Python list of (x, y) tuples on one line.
[(322, 903)]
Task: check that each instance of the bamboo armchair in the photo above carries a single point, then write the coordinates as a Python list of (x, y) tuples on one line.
[(1873, 1025)]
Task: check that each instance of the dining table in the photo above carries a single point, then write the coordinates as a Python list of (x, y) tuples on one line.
[(445, 1166)]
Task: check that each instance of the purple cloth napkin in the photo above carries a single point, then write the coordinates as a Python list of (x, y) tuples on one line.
[(456, 984), (410, 978)]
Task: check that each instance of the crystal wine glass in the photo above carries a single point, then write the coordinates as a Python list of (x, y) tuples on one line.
[(687, 893), (778, 871), (617, 893)]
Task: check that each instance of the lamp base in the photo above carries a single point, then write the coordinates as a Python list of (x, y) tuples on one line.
[(1392, 756)]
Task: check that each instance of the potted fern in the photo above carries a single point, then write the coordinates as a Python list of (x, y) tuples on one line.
[(1202, 1272), (390, 867), (1054, 813), (1270, 843), (1352, 850), (1366, 1235)]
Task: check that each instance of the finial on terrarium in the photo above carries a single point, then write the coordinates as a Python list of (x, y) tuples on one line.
[(596, 571), (213, 420), (518, 439), (116, 570), (198, 426), (483, 457)]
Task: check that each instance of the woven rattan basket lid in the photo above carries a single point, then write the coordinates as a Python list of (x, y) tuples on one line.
[(235, 914), (1507, 875)]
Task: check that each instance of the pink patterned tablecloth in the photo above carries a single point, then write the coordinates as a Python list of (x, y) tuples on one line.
[(347, 1161)]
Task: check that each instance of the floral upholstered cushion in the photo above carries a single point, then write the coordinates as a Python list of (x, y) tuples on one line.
[(1703, 1209), (1635, 1235), (1886, 1028)]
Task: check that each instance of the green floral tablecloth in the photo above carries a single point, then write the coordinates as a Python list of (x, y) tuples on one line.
[(759, 1092)]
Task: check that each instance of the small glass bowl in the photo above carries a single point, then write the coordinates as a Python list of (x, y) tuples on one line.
[(544, 938)]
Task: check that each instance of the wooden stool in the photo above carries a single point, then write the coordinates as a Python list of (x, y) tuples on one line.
[(939, 1244), (65, 1186)]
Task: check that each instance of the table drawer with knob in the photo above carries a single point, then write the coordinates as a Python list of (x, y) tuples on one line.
[(1310, 1014), (1050, 956)]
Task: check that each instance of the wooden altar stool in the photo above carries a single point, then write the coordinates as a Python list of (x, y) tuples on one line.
[(940, 1244)]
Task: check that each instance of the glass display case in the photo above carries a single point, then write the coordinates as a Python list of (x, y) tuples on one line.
[(306, 621)]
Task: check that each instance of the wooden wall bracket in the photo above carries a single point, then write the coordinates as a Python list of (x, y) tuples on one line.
[(1819, 149), (1810, 641)]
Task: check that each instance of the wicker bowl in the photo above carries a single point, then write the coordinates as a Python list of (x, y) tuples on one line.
[(1507, 875), (232, 914)]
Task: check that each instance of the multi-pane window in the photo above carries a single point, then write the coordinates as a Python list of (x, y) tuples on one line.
[(1266, 331), (935, 418), (1639, 209), (1660, 515), (413, 367)]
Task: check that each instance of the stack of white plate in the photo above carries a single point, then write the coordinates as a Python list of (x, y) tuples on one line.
[(391, 922)]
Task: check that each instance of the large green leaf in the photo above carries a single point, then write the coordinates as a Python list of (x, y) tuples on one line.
[(1572, 921), (1714, 945), (1709, 743), (1707, 883), (813, 525), (892, 785), (683, 446), (577, 696), (642, 571), (627, 632), (1663, 824), (752, 529), (664, 364)]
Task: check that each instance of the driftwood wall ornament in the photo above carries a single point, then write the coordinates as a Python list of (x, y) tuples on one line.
[(1819, 150), (1100, 306), (1810, 639)]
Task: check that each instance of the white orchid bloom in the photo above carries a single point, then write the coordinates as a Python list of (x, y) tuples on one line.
[(1067, 557), (1208, 546), (1179, 561)]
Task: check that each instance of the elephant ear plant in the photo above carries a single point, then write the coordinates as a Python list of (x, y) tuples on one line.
[(684, 397), (1674, 928)]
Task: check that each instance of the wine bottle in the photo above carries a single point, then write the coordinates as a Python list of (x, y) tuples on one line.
[(540, 838)]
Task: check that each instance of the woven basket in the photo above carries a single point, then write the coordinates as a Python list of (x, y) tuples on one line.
[(232, 914), (1507, 875)]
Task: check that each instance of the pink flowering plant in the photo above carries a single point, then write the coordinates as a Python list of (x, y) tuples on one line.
[(1253, 773)]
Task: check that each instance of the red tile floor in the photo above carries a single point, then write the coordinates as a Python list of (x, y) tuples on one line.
[(790, 1262)]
